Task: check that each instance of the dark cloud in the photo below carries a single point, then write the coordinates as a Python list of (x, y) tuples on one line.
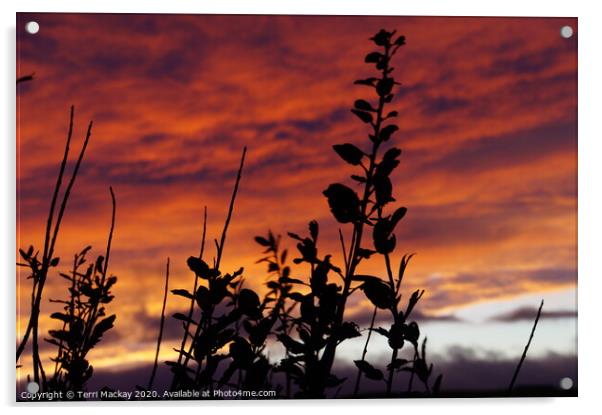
[(465, 374), (441, 226), (507, 150), (468, 287), (150, 324), (438, 105), (551, 275), (532, 62), (383, 318), (529, 313)]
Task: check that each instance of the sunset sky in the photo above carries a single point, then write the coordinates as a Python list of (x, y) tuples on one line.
[(488, 128)]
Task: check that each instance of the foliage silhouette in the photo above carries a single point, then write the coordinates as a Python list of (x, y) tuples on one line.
[(82, 321), (39, 268), (321, 336), (310, 312), (214, 292), (84, 318)]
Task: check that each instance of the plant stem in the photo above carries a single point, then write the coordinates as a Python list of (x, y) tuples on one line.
[(364, 352), (93, 315), (43, 270), (230, 209), (153, 373), (353, 257), (220, 249), (522, 359), (191, 309)]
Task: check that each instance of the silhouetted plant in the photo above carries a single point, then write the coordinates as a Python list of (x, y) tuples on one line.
[(524, 355), (279, 286), (39, 266), (315, 324), (84, 317), (223, 314), (216, 293), (161, 326), (322, 326)]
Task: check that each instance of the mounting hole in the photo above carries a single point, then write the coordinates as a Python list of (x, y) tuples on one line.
[(32, 28), (33, 387), (566, 383), (566, 32)]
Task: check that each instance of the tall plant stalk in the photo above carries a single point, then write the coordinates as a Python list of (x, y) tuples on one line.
[(161, 325), (40, 268), (375, 117)]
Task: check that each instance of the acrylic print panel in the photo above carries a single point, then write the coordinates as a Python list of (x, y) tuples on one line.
[(282, 207)]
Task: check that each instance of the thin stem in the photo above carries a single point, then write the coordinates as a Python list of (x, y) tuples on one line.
[(160, 337), (195, 286), (343, 249), (364, 352), (354, 258), (412, 373), (36, 311), (45, 261), (93, 315), (207, 317), (35, 348), (391, 372), (230, 209), (522, 359)]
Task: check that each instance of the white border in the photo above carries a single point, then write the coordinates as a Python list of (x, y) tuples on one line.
[(590, 206)]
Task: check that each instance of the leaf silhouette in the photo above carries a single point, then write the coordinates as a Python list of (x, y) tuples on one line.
[(367, 369), (385, 86), (248, 302), (373, 57), (381, 38), (344, 203), (262, 241), (378, 292), (314, 229), (350, 153), (100, 329), (395, 337), (387, 132), (203, 298), (383, 189), (362, 104), (199, 267), (363, 115), (367, 81), (182, 293), (384, 242)]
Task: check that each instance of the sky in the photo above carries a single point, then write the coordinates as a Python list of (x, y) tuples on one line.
[(488, 129)]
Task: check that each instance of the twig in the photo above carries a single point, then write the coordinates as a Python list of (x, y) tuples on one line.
[(220, 250), (93, 315), (160, 337), (344, 249), (364, 352), (230, 209), (57, 187), (522, 359), (195, 286)]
